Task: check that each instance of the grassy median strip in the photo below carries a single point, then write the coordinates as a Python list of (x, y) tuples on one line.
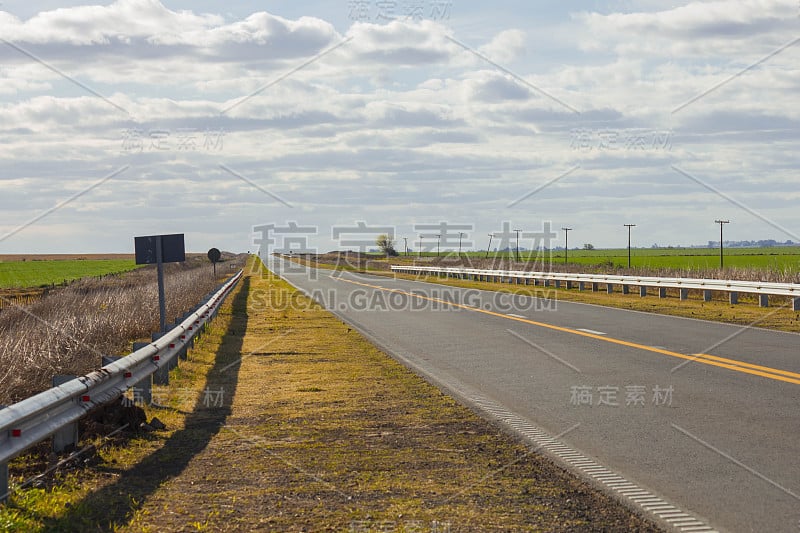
[(312, 428)]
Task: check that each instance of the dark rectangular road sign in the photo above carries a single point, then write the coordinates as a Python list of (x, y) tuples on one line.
[(172, 249)]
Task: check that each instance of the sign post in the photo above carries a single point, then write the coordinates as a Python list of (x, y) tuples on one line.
[(162, 300), (160, 249), (213, 256)]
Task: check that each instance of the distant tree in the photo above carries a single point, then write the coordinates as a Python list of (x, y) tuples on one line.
[(588, 246), (386, 244)]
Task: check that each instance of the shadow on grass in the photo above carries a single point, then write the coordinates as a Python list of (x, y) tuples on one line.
[(113, 505)]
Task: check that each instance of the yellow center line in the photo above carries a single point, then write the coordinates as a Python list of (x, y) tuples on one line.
[(706, 359), (749, 365)]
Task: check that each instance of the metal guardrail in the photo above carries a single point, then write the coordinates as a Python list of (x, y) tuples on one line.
[(763, 289), (34, 419)]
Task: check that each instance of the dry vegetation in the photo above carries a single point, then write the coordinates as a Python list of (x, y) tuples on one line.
[(346, 260), (67, 331), (734, 273), (360, 261)]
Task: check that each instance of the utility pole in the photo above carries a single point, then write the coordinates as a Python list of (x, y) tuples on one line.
[(490, 245), (566, 243), (721, 222), (405, 240), (629, 226), (420, 246), (438, 244), (517, 249), (460, 234)]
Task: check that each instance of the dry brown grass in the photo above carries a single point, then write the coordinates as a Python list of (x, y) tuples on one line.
[(501, 263), (67, 331), (356, 261)]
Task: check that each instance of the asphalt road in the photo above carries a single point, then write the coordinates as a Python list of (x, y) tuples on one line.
[(717, 435)]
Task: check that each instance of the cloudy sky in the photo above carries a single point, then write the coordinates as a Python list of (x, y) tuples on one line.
[(139, 117)]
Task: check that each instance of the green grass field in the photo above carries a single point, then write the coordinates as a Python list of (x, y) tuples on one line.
[(23, 274), (774, 258)]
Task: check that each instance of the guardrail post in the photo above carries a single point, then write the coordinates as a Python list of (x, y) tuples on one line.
[(108, 359), (68, 435), (662, 292), (684, 294), (763, 300), (580, 286), (796, 303), (3, 482), (734, 298), (547, 283), (172, 363), (595, 287), (609, 288), (642, 291), (3, 476), (557, 283), (706, 295), (569, 284), (160, 376), (145, 386), (626, 289)]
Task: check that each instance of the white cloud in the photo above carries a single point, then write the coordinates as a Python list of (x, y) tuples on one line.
[(698, 28), (121, 21), (399, 122), (506, 47)]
